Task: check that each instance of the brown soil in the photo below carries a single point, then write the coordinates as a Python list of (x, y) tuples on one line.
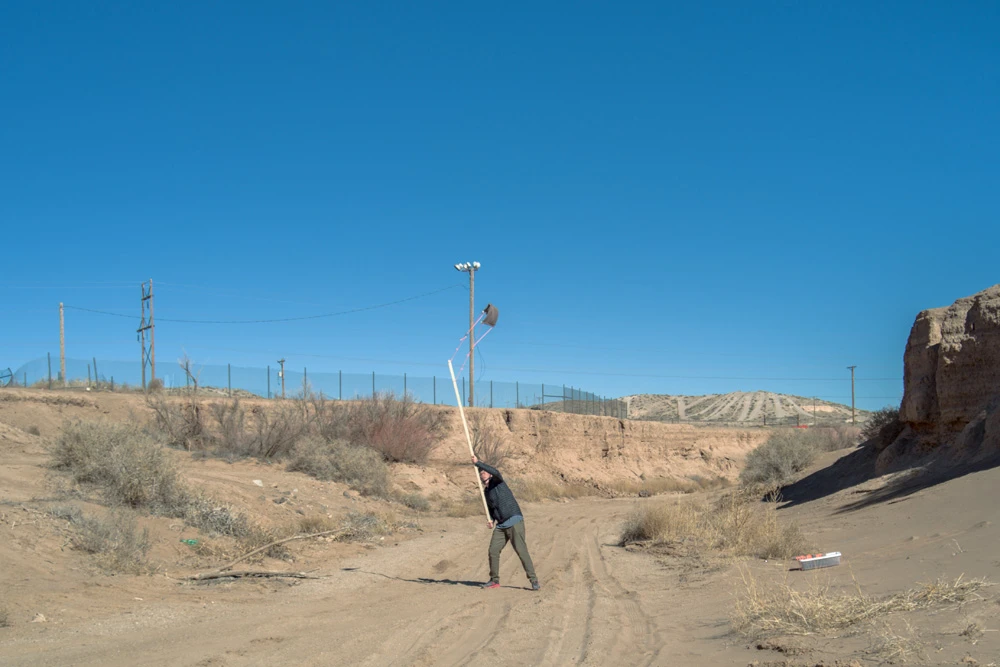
[(411, 598)]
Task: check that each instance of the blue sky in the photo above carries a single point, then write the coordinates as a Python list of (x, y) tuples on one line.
[(665, 197)]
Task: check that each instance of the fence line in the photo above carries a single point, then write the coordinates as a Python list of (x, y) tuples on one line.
[(268, 382)]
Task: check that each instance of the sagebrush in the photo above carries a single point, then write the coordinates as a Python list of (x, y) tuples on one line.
[(361, 468), (883, 426), (785, 453), (115, 540)]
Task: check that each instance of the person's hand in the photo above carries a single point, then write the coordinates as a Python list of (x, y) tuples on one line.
[(474, 459), (489, 523)]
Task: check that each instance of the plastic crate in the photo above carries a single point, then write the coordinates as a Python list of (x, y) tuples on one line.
[(815, 561)]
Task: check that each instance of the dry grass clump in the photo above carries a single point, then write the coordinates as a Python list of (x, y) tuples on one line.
[(488, 441), (4, 617), (415, 501), (316, 524), (891, 647), (738, 525), (115, 540), (530, 489), (369, 524), (122, 460), (660, 485), (778, 609), (467, 506), (361, 468)]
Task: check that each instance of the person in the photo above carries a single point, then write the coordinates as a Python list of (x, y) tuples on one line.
[(507, 523)]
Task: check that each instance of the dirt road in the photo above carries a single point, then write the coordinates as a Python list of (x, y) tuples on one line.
[(418, 603)]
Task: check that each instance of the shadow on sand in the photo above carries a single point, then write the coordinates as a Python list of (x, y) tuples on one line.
[(424, 580), (858, 467)]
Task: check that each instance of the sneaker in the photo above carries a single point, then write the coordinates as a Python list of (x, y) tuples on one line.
[(535, 586), (491, 584)]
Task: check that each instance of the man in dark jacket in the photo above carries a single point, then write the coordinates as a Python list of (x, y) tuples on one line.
[(507, 524)]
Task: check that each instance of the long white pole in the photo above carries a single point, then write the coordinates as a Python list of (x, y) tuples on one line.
[(468, 438)]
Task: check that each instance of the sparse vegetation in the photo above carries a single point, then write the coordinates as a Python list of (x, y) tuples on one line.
[(4, 617), (883, 426), (738, 524), (786, 452), (115, 540), (660, 485), (488, 441), (530, 489), (369, 525), (33, 430), (768, 610), (361, 468), (397, 427), (124, 462), (415, 501)]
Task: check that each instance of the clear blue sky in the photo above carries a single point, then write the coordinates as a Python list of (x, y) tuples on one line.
[(660, 194)]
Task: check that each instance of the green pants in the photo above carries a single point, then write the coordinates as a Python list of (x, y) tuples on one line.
[(514, 534)]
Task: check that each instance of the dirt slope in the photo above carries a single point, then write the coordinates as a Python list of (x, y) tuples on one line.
[(749, 407)]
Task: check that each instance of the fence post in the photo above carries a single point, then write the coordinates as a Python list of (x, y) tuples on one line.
[(517, 394), (112, 384), (543, 396), (50, 369), (404, 385), (269, 381), (373, 385), (187, 376), (463, 390), (88, 375), (97, 380), (229, 379), (435, 379), (305, 382), (340, 385), (25, 378), (491, 393)]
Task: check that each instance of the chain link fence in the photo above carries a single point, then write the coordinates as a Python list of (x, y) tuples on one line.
[(271, 382)]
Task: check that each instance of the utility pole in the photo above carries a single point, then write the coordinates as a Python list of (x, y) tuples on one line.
[(471, 268), (148, 355), (62, 347), (852, 392), (281, 374)]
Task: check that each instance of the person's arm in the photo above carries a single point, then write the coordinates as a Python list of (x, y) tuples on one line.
[(490, 469)]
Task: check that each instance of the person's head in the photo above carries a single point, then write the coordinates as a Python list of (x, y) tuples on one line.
[(485, 476)]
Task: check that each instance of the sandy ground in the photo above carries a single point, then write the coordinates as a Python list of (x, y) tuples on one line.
[(413, 599)]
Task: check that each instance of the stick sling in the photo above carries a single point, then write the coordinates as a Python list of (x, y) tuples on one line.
[(468, 438)]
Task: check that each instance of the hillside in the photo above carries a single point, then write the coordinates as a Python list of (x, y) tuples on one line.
[(749, 407)]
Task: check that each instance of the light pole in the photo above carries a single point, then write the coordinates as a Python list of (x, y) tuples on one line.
[(471, 268)]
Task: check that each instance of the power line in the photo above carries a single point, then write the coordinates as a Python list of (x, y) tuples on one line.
[(274, 320)]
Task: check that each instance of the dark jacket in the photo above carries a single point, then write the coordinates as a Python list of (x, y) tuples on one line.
[(499, 498)]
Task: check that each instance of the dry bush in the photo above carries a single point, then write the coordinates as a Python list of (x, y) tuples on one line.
[(316, 524), (155, 385), (398, 428), (883, 426), (833, 438), (488, 441), (276, 430), (415, 501), (181, 424), (779, 609), (369, 525), (4, 617), (737, 525), (361, 468), (891, 647), (33, 430), (124, 462), (786, 452), (115, 540)]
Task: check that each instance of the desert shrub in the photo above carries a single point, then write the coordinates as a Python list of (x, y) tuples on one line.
[(4, 617), (773, 609), (530, 489), (123, 461), (786, 452), (658, 485), (277, 429), (116, 541), (316, 524), (488, 441), (466, 506), (397, 427), (738, 524), (155, 385), (368, 525), (361, 468), (834, 437), (415, 501), (180, 424), (33, 430), (883, 426)]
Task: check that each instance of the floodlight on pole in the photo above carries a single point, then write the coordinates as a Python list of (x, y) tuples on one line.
[(471, 268)]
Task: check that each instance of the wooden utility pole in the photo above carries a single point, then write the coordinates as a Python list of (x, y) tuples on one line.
[(281, 374), (852, 393), (62, 347)]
